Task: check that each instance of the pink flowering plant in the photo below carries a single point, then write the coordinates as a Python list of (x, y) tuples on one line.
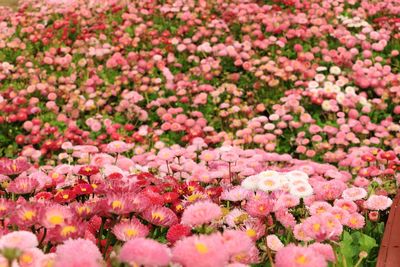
[(198, 133)]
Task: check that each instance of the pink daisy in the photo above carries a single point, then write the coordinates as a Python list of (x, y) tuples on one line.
[(160, 216), (201, 251), (354, 193), (128, 230), (145, 252), (19, 239), (200, 213), (69, 254), (377, 202), (293, 256)]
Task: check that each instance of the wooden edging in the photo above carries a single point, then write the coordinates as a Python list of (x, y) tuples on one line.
[(389, 252)]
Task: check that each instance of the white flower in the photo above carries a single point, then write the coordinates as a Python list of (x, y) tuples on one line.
[(319, 77), (326, 105), (251, 182), (313, 84), (335, 70), (293, 175), (350, 90), (321, 68), (302, 190), (340, 97), (269, 183)]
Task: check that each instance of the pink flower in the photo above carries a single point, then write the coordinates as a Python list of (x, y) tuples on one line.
[(325, 250), (70, 254), (30, 257), (201, 251), (20, 239), (13, 166), (354, 193), (147, 252), (377, 202), (55, 215), (160, 216), (117, 147), (200, 213), (23, 185), (348, 205), (237, 244), (274, 243), (260, 205), (293, 256), (128, 230), (236, 193), (355, 221)]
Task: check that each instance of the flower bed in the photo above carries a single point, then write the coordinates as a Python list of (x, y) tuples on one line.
[(198, 133)]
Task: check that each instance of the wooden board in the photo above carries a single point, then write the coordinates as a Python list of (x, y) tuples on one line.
[(9, 3), (389, 252)]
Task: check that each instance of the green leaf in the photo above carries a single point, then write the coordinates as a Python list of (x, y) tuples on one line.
[(367, 243)]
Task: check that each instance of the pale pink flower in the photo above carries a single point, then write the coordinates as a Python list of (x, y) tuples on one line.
[(128, 230), (200, 213), (201, 251), (294, 256), (20, 239), (377, 202), (274, 243), (145, 252), (70, 254)]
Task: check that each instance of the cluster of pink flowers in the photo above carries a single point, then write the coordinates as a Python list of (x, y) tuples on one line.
[(205, 207), (197, 133)]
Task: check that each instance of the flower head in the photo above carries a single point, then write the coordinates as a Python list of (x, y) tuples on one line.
[(141, 251), (200, 213), (69, 254), (293, 256), (128, 230), (376, 202), (19, 239), (201, 251)]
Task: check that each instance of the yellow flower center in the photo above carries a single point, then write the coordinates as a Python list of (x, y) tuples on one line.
[(26, 258), (116, 204), (83, 209), (69, 229), (269, 183), (201, 248), (353, 221), (56, 219), (251, 232), (28, 215), (157, 216), (316, 227), (194, 197), (301, 259), (131, 232)]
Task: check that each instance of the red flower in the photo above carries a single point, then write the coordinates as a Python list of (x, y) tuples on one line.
[(368, 157), (177, 232), (64, 196), (83, 189), (388, 155), (170, 197), (88, 170), (43, 196)]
